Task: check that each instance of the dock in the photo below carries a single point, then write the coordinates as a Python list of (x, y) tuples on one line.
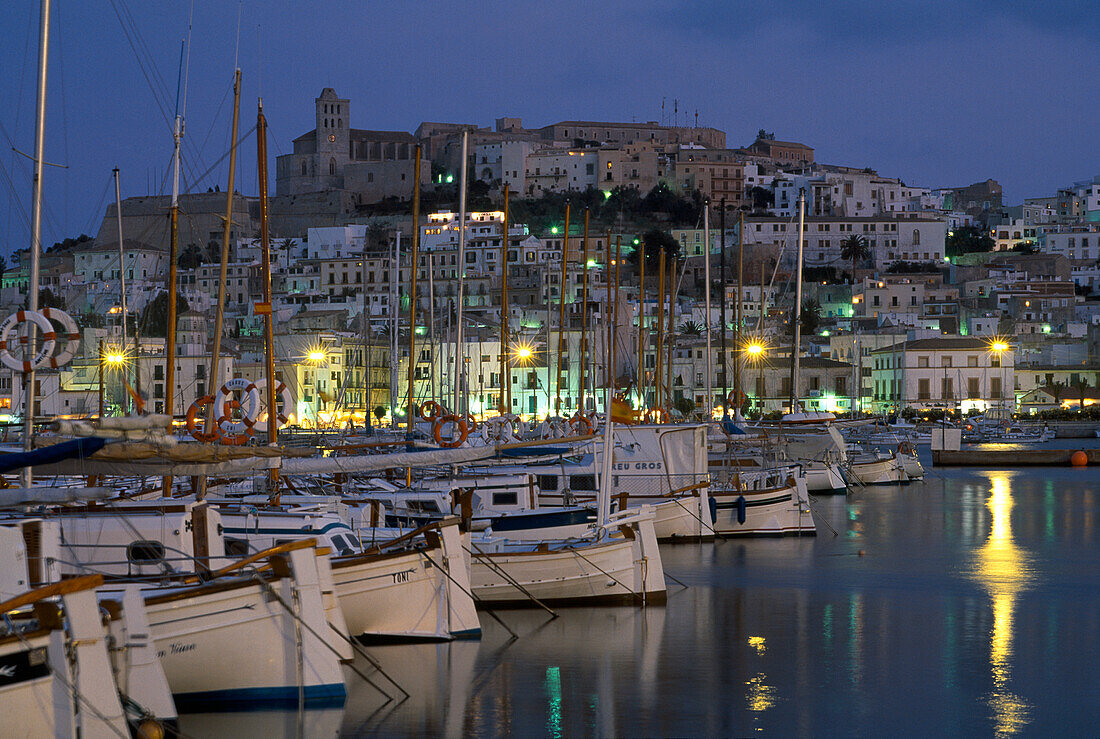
[(1001, 458)]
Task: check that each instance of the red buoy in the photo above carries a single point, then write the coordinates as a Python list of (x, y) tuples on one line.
[(1079, 459)]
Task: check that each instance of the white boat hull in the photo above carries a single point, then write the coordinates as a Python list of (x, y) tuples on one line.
[(823, 477), (781, 511), (878, 472), (619, 570)]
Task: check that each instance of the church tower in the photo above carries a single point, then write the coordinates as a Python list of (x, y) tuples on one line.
[(333, 152)]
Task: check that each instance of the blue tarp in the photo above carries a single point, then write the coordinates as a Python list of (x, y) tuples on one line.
[(78, 448)]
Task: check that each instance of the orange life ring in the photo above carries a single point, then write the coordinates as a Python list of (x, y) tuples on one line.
[(192, 424), (471, 422), (584, 421), (437, 431), (436, 409)]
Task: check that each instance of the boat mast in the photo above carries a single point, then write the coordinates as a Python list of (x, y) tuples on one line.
[(561, 310), (660, 329), (173, 257), (615, 312), (36, 229), (673, 292), (708, 405), (722, 305), (215, 357), (413, 256), (265, 269), (459, 352), (737, 341), (395, 316), (121, 263), (641, 326), (608, 361), (795, 348), (584, 315), (505, 405)]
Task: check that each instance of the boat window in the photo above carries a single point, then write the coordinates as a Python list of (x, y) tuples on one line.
[(582, 482), (423, 506), (143, 552), (341, 544), (236, 547), (505, 498), (548, 482)]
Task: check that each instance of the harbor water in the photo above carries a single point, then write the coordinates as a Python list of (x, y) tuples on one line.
[(967, 604)]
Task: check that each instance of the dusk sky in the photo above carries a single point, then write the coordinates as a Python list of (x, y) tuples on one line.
[(936, 93)]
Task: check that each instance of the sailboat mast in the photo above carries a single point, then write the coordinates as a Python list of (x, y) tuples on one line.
[(737, 341), (608, 368), (459, 363), (173, 257), (121, 261), (657, 377), (722, 305), (584, 314), (615, 311), (709, 364), (641, 326), (265, 269), (395, 317), (413, 256), (215, 357), (795, 348), (505, 405), (561, 310), (36, 228)]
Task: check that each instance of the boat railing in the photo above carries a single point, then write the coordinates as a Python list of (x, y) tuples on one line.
[(64, 587)]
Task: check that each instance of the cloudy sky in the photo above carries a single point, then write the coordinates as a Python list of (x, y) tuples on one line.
[(937, 93)]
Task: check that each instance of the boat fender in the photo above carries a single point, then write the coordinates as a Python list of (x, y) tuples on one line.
[(741, 506), (713, 505)]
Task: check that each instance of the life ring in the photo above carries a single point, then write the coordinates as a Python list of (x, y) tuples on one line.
[(584, 422), (455, 441), (436, 410), (471, 422), (71, 335), (249, 409), (283, 393), (192, 423), (498, 428), (48, 340), (656, 415), (735, 399)]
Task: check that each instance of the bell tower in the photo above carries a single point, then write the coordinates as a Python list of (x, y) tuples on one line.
[(333, 116)]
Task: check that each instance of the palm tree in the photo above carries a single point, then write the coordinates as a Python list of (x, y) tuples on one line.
[(690, 328), (854, 248), (1057, 390), (1082, 387)]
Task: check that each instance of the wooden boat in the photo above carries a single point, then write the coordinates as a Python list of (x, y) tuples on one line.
[(241, 641), (55, 674), (763, 506), (619, 567)]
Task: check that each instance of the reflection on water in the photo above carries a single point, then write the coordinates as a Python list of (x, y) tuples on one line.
[(1005, 570), (975, 609)]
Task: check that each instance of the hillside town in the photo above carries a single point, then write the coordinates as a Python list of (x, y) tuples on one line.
[(917, 297)]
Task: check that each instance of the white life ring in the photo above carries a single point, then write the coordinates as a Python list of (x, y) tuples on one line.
[(249, 405), (71, 335), (283, 392), (48, 340)]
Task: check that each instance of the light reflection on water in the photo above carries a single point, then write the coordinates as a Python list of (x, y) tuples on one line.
[(1004, 570), (975, 609)]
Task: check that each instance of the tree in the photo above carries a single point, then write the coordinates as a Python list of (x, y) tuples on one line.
[(190, 257), (154, 317), (3, 267), (377, 237), (655, 241), (967, 239), (1081, 385), (1057, 391), (854, 248), (47, 298), (690, 328), (213, 252), (811, 318), (765, 135), (762, 198), (91, 319)]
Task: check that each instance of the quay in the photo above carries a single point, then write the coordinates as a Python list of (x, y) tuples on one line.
[(1002, 458)]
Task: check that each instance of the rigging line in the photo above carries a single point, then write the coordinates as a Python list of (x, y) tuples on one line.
[(237, 49), (187, 63), (141, 63), (240, 141)]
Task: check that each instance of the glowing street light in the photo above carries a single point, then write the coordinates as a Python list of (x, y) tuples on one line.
[(316, 356), (523, 353), (999, 346), (755, 350), (115, 359)]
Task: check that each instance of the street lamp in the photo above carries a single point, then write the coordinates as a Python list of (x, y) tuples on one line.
[(755, 350), (316, 356), (999, 347)]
